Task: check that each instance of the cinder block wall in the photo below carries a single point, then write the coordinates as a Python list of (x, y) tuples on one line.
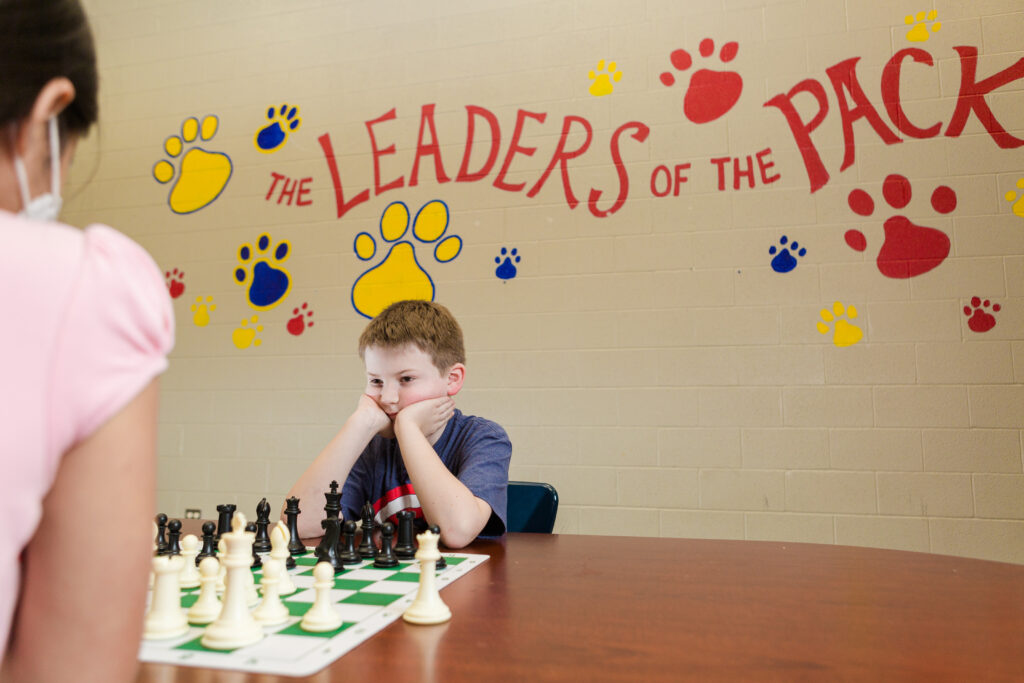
[(710, 332)]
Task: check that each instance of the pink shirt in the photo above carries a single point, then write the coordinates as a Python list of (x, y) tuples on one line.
[(88, 324)]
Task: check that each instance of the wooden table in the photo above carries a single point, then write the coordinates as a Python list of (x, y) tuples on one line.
[(595, 608)]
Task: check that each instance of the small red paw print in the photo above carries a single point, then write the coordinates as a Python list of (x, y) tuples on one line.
[(710, 93), (300, 322), (978, 318), (175, 282)]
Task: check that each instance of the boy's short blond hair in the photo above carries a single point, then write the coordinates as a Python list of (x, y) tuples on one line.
[(428, 325)]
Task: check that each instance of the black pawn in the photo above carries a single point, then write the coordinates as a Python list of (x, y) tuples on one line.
[(348, 553), (332, 526), (256, 561), (367, 549), (173, 537), (291, 513), (404, 548), (161, 530), (261, 544), (441, 563), (226, 512), (387, 558), (209, 548)]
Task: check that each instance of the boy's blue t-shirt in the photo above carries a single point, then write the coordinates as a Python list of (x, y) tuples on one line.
[(477, 451)]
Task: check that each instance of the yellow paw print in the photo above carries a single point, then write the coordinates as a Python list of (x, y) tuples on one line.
[(202, 175), (245, 336), (846, 333), (919, 32), (201, 310), (1017, 198), (602, 80)]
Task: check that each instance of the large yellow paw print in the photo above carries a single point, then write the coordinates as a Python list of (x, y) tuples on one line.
[(846, 333), (202, 175), (919, 32), (602, 80), (399, 276)]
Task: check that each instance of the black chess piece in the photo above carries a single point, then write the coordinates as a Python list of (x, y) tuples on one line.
[(226, 513), (161, 531), (348, 553), (256, 561), (367, 549), (173, 537), (261, 544), (333, 506), (386, 559), (441, 563), (209, 548), (404, 548), (332, 526), (291, 513)]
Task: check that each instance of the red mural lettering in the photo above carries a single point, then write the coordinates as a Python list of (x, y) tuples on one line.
[(972, 97), (515, 148), (332, 166), (276, 177), (561, 157), (763, 166), (816, 172), (891, 93), (654, 181), (473, 111), (720, 162), (738, 173), (640, 133), (378, 153), (422, 150), (303, 191), (844, 78)]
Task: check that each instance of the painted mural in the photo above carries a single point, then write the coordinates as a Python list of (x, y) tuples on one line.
[(404, 256)]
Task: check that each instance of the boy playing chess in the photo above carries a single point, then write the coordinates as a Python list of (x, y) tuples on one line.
[(406, 446)]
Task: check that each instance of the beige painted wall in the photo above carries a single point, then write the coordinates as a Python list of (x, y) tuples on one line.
[(651, 364)]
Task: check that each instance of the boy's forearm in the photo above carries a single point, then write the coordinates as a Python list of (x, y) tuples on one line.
[(334, 462), (445, 500)]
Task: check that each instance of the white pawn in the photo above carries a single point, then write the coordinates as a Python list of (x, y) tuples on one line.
[(207, 607), (427, 608), (235, 627), (165, 618), (271, 611), (321, 616), (279, 538), (189, 573)]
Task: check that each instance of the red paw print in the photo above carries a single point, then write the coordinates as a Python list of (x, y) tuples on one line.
[(909, 249), (710, 93), (980, 320), (299, 323), (174, 282)]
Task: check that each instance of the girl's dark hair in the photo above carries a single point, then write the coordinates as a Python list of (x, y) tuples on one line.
[(41, 40)]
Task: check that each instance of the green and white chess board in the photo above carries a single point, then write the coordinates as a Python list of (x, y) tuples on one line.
[(367, 598)]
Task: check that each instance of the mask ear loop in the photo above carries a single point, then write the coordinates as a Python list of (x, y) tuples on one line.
[(54, 158)]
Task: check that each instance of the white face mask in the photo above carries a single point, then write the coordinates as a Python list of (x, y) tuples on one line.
[(45, 207)]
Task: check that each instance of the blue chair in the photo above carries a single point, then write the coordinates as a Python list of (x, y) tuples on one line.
[(532, 507)]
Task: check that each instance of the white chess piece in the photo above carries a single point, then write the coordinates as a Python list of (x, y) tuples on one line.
[(427, 608), (165, 618), (222, 550), (279, 538), (207, 607), (235, 627), (271, 611), (321, 616), (189, 574)]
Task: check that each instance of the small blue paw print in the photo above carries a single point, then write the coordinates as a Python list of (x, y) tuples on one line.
[(506, 269), (273, 136), (784, 260)]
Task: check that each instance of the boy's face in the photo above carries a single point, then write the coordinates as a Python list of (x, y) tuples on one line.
[(398, 377)]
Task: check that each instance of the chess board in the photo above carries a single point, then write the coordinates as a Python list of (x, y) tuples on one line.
[(367, 598)]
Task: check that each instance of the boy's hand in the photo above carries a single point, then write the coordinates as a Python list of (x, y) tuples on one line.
[(371, 415), (428, 415)]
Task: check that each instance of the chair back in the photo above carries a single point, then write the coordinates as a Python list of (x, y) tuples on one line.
[(532, 507)]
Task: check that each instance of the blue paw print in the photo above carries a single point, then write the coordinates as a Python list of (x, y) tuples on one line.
[(275, 134), (784, 260), (506, 270), (266, 280)]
